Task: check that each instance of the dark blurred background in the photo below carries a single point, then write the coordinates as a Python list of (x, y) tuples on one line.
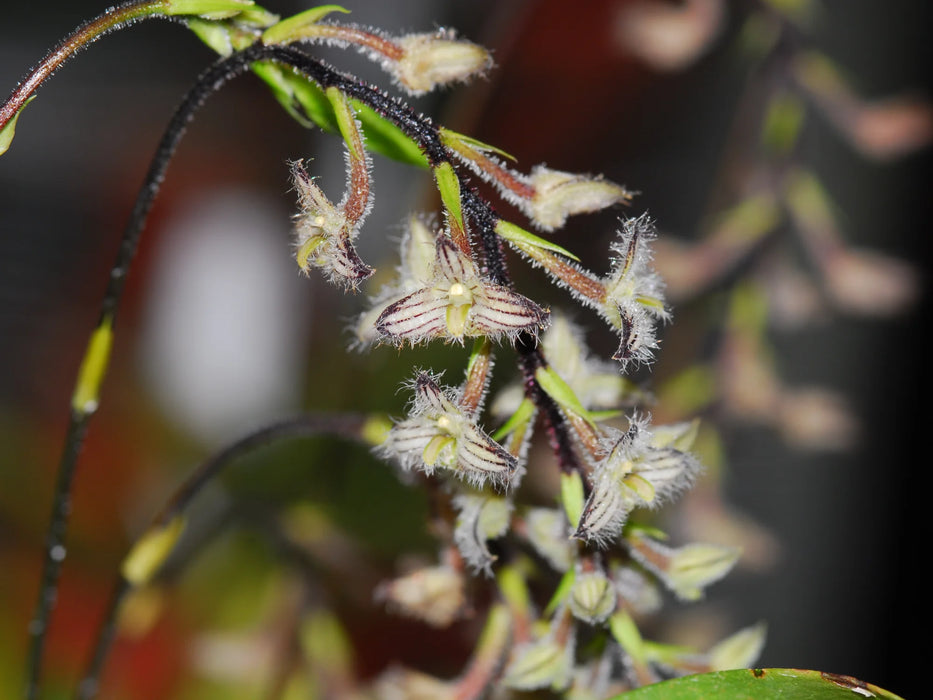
[(218, 333)]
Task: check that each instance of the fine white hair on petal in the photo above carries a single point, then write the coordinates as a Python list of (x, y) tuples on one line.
[(604, 513)]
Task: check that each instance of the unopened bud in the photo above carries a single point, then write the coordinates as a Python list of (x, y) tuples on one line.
[(434, 595), (541, 664), (592, 598), (436, 59), (685, 570), (559, 195)]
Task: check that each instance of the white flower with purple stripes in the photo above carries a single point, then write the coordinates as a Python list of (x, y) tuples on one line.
[(459, 303), (439, 434)]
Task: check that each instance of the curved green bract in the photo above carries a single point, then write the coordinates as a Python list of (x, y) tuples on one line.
[(760, 684), (6, 133)]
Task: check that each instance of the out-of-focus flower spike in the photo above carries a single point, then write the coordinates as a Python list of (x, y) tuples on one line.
[(883, 129), (859, 281), (328, 648)]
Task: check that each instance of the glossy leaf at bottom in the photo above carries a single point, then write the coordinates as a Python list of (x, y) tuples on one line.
[(760, 684)]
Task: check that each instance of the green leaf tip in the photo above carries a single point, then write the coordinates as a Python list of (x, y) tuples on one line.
[(151, 551), (292, 28), (93, 367), (6, 134), (522, 238), (208, 9), (559, 390), (456, 140)]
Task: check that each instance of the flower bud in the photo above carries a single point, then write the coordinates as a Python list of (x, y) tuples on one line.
[(685, 570), (559, 195), (434, 595), (541, 664), (429, 60), (592, 598)]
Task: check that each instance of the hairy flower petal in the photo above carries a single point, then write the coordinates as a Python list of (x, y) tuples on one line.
[(419, 316)]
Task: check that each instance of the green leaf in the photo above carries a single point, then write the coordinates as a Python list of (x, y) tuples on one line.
[(760, 683), (6, 134), (290, 29), (302, 99), (625, 632), (215, 34), (309, 106), (561, 592), (382, 136), (572, 497)]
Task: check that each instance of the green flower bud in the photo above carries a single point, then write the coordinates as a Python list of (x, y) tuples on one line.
[(592, 598)]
